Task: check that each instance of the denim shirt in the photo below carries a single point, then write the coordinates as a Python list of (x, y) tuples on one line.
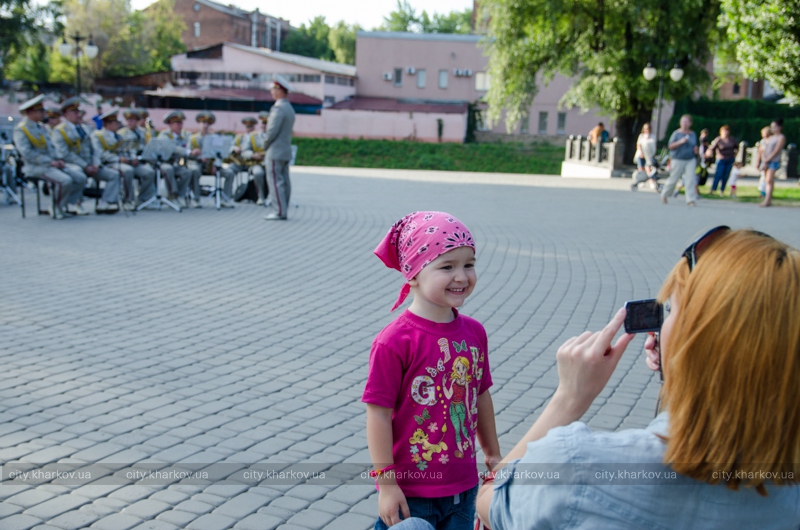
[(607, 481)]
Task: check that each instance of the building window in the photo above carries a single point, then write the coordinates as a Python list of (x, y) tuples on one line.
[(561, 126), (398, 77), (481, 81), (310, 78), (481, 122), (341, 81), (542, 123), (330, 80), (442, 78), (196, 29), (421, 78), (525, 124), (736, 88)]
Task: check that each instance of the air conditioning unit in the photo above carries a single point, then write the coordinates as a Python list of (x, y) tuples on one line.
[(457, 72), (387, 76), (468, 73), (411, 70)]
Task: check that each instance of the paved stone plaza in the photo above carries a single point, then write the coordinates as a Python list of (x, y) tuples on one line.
[(222, 340)]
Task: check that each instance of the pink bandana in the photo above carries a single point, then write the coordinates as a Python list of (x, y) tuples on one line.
[(419, 238)]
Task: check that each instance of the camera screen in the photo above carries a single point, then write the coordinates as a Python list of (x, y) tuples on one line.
[(643, 316)]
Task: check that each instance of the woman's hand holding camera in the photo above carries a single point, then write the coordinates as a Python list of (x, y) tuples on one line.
[(586, 362)]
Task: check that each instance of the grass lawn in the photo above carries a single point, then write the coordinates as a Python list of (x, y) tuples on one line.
[(780, 197), (387, 154)]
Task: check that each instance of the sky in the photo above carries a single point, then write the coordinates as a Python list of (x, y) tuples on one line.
[(368, 13)]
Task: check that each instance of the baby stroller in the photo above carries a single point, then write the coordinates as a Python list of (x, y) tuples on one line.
[(660, 161)]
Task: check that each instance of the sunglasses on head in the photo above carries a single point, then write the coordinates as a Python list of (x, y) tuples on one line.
[(693, 251)]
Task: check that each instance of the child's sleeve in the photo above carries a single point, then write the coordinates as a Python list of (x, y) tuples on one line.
[(385, 376), (486, 381)]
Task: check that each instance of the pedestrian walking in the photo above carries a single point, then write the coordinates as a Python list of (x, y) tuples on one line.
[(724, 148), (683, 162), (645, 159), (772, 158), (766, 132)]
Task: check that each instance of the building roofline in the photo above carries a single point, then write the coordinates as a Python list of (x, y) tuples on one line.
[(400, 35), (232, 10), (327, 67)]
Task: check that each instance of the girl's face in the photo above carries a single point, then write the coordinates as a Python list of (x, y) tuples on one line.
[(448, 280), (686, 123), (461, 370), (775, 128), (646, 129)]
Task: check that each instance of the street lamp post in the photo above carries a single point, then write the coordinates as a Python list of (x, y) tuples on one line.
[(650, 72), (90, 50)]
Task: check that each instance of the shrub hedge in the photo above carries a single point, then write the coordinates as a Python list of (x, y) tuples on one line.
[(387, 154)]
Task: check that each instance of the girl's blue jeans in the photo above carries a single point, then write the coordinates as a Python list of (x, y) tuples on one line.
[(439, 513)]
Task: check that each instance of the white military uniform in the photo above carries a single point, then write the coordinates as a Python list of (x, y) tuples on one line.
[(250, 144), (137, 138), (74, 146), (37, 152), (179, 179)]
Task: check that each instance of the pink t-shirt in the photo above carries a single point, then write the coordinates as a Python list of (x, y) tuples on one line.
[(431, 375)]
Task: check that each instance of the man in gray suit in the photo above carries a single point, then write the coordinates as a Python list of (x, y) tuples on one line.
[(278, 142)]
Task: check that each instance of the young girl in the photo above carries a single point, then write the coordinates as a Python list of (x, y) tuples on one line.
[(427, 391)]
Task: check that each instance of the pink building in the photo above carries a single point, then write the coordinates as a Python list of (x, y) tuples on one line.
[(436, 69), (404, 86), (236, 66)]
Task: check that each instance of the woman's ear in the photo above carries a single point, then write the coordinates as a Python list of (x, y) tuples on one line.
[(413, 282)]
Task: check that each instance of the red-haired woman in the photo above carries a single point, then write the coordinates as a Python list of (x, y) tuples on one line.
[(724, 452)]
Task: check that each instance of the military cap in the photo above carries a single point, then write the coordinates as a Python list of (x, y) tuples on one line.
[(175, 115), (131, 113), (263, 115), (143, 113), (71, 104), (249, 120), (282, 82), (205, 117), (36, 103), (52, 112), (111, 115)]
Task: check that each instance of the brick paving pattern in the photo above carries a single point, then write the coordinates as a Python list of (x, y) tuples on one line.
[(218, 338)]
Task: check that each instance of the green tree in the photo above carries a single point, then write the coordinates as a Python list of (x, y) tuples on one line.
[(405, 19), (26, 33), (31, 64), (17, 20), (162, 30), (766, 34), (342, 41), (129, 42), (603, 45), (310, 41)]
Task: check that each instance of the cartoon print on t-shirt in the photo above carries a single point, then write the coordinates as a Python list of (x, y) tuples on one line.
[(458, 393), (420, 437), (423, 391), (444, 347)]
